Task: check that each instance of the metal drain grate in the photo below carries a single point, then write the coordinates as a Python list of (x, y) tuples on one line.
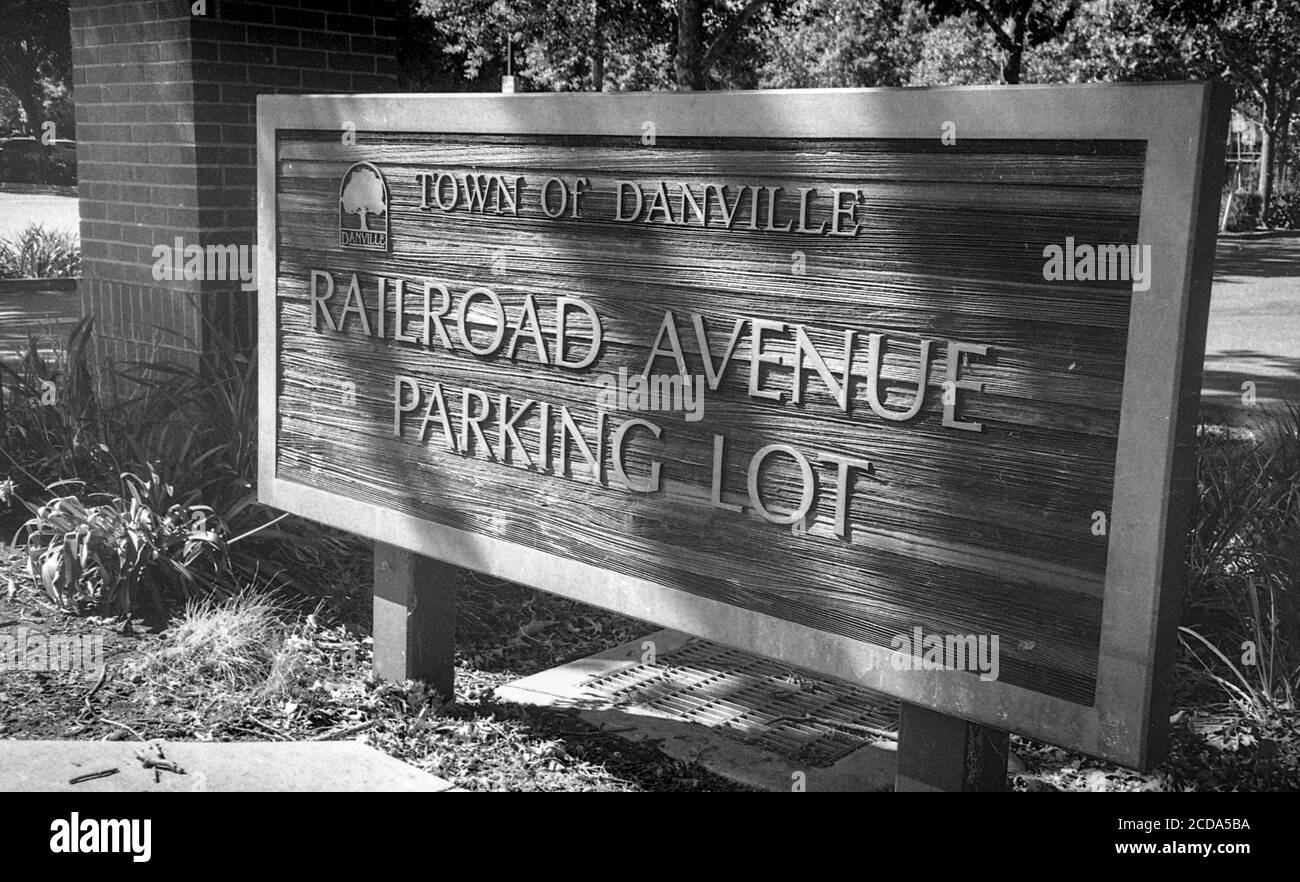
[(804, 719)]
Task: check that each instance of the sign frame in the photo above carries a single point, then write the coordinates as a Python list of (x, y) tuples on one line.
[(1154, 488)]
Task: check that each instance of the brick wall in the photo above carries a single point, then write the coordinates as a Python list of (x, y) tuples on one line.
[(166, 103)]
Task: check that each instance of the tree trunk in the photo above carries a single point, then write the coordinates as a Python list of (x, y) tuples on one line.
[(1267, 150), (34, 110), (1283, 153), (1013, 59), (598, 59), (690, 44), (1266, 140), (1011, 64), (1283, 146), (1277, 119)]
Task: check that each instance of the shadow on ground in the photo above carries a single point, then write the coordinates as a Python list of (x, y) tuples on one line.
[(1253, 347), (1275, 377), (1269, 256)]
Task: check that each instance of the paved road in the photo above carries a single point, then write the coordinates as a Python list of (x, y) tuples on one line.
[(48, 317), (1254, 333), (17, 210)]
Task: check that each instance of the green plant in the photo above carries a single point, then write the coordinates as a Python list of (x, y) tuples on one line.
[(103, 553), (194, 424), (231, 643), (1244, 563), (1244, 215), (1284, 210), (1257, 683), (38, 252), (198, 422), (53, 425), (238, 652)]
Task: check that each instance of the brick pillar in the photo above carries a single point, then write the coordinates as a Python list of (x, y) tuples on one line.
[(166, 144)]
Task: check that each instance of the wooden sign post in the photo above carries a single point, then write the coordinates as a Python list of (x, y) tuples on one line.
[(415, 618), (899, 386), (942, 753)]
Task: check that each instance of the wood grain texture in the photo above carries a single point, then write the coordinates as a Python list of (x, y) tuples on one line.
[(956, 532)]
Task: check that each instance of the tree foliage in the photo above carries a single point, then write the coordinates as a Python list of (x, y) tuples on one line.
[(1016, 25), (35, 53), (720, 42), (1105, 41), (563, 45), (1255, 44), (905, 42), (957, 51), (596, 45), (695, 44), (832, 43)]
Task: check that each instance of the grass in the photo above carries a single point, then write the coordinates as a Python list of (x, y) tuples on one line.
[(1241, 616), (236, 645), (39, 252)]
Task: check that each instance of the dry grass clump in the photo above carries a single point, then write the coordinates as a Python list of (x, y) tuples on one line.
[(240, 645)]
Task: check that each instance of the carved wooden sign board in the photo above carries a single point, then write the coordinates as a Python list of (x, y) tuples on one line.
[(899, 386)]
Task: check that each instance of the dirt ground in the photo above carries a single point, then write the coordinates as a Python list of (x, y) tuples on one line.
[(474, 741)]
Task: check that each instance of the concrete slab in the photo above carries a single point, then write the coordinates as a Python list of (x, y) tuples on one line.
[(719, 748), (242, 766)]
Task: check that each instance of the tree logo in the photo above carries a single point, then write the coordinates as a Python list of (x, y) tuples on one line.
[(363, 208)]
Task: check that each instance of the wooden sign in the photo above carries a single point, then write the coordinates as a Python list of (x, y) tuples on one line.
[(899, 386)]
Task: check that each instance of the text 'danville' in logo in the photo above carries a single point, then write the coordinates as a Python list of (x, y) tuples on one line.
[(363, 208)]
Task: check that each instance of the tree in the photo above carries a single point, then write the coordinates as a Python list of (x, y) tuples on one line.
[(422, 66), (957, 51), (1255, 44), (727, 21), (843, 43), (610, 44), (606, 44), (569, 45), (1105, 41), (1016, 25), (35, 49)]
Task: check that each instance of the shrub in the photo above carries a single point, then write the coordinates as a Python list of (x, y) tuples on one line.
[(193, 430), (40, 253), (53, 425), (232, 644), (1245, 213), (237, 655), (94, 552), (199, 423), (1284, 210), (1245, 562), (35, 163)]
